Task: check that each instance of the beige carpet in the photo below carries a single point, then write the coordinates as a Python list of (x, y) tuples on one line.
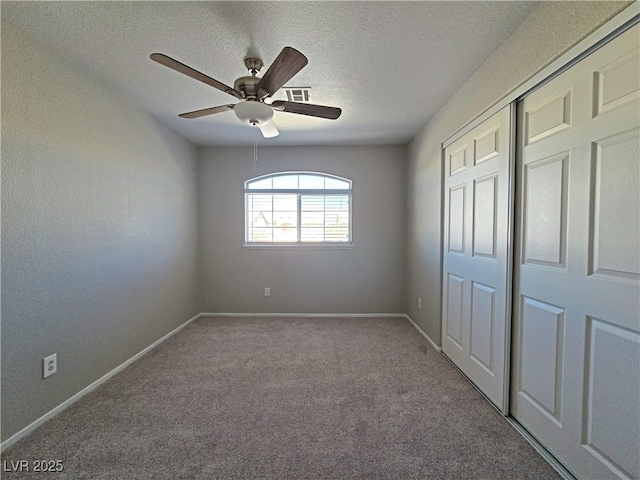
[(285, 398)]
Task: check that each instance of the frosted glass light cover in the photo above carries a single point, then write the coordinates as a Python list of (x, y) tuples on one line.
[(252, 112)]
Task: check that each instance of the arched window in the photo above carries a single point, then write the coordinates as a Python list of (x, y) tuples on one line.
[(296, 208)]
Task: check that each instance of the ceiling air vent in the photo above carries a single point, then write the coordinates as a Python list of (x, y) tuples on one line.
[(298, 94)]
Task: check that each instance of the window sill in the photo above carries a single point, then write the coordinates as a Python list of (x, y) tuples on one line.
[(299, 246)]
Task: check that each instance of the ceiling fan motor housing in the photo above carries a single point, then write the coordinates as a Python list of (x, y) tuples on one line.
[(253, 112), (247, 85)]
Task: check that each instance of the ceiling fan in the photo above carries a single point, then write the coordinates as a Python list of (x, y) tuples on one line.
[(253, 91)]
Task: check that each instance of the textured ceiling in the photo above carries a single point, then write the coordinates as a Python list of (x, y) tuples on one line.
[(389, 65)]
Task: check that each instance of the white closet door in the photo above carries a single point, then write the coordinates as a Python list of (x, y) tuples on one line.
[(576, 341), (476, 257)]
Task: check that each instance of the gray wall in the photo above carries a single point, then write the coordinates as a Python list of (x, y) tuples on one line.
[(99, 231), (546, 34), (369, 278)]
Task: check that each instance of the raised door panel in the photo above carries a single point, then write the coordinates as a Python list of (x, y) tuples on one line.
[(484, 216), (611, 425), (455, 304), (483, 311), (618, 82), (486, 146), (544, 210), (456, 219), (616, 213), (541, 356), (550, 116), (457, 160)]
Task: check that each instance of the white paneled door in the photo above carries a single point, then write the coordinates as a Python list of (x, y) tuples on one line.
[(576, 341), (476, 258)]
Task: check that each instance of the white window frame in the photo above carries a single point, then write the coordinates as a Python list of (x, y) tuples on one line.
[(299, 192)]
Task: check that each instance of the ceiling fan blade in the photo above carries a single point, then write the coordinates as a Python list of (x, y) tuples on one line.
[(284, 67), (207, 111), (182, 68), (269, 130), (321, 111)]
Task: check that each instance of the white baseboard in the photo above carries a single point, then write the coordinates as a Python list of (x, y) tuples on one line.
[(32, 426), (433, 344), (309, 315)]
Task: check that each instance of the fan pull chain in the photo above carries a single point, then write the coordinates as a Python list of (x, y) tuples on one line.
[(255, 147)]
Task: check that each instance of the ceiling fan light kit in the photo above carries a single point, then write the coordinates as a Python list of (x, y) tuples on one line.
[(253, 112), (252, 91)]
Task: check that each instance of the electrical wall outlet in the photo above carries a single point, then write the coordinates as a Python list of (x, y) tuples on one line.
[(419, 303), (267, 292), (49, 365)]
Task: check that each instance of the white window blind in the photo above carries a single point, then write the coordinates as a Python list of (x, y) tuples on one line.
[(298, 208)]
